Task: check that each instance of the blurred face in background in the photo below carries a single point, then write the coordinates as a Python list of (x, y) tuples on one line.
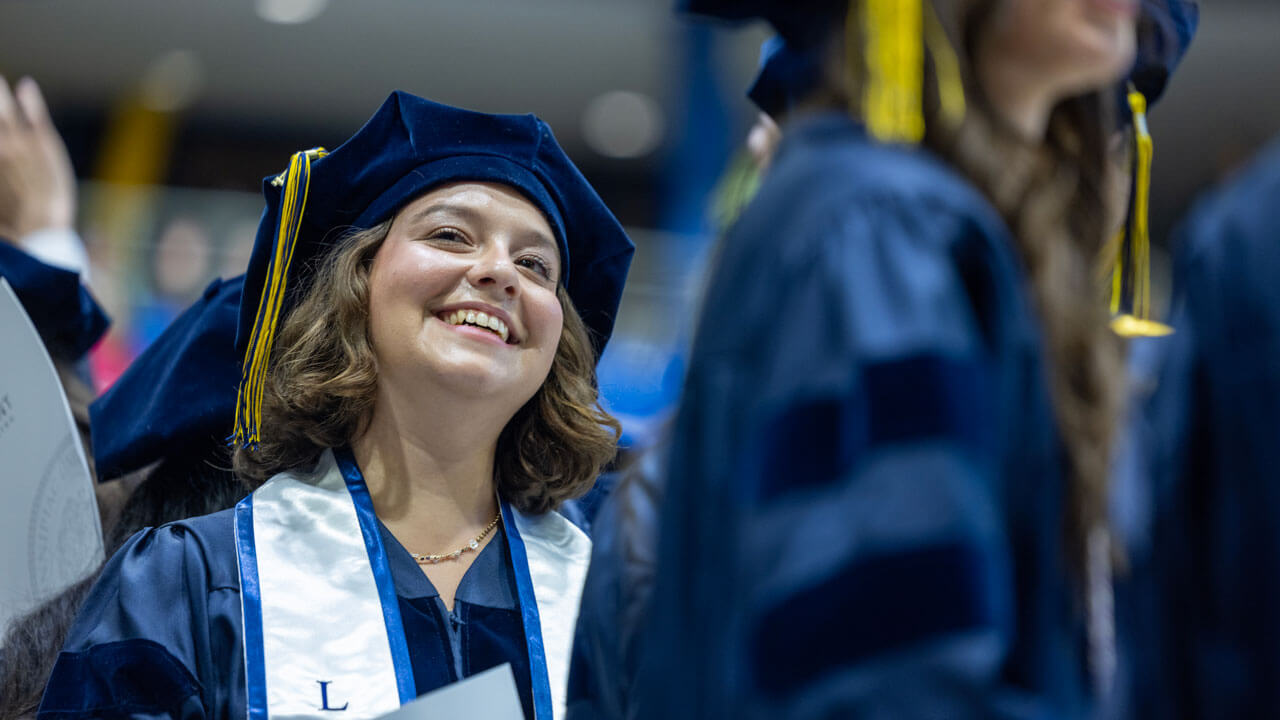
[(1054, 49)]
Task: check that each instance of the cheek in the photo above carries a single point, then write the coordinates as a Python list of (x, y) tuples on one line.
[(548, 317)]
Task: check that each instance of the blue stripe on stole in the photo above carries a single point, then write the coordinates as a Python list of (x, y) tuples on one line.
[(381, 572), (538, 678), (819, 439), (873, 606), (255, 664)]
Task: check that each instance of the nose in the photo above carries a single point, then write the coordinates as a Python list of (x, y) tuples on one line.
[(494, 272)]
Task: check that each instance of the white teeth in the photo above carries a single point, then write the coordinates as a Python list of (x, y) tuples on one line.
[(479, 319)]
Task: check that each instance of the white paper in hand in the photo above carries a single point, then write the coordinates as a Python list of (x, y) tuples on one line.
[(50, 535), (490, 695)]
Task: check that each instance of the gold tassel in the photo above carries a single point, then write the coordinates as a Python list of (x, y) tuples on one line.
[(1137, 322), (885, 43), (293, 202), (892, 102), (946, 66)]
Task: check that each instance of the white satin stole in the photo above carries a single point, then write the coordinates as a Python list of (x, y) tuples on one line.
[(322, 632)]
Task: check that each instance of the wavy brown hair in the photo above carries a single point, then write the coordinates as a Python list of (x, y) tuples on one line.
[(323, 377), (1054, 197)]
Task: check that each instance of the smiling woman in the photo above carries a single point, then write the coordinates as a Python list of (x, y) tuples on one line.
[(421, 319)]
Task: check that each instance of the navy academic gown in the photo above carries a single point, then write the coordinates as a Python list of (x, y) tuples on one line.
[(608, 643), (863, 507), (1207, 483), (160, 634)]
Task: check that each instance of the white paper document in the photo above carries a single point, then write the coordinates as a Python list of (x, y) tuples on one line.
[(50, 535), (490, 695)]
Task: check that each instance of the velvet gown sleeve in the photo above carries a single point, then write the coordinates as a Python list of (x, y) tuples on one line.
[(861, 515), (159, 635)]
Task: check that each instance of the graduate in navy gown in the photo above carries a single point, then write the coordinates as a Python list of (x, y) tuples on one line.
[(419, 327), (1212, 449), (609, 645), (886, 493)]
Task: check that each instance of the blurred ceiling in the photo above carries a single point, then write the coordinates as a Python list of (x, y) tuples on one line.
[(553, 57)]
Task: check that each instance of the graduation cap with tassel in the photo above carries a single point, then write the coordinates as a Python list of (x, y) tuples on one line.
[(885, 44), (409, 146), (1165, 29)]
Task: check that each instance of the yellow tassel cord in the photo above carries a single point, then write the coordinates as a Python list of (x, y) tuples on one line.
[(296, 181), (947, 67), (1137, 322), (734, 191), (883, 43), (892, 94)]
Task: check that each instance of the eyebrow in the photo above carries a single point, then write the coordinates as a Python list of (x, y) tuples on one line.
[(473, 215)]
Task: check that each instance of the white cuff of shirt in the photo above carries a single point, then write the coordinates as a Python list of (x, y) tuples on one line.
[(60, 247)]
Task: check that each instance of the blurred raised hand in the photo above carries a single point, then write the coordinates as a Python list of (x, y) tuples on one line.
[(37, 182)]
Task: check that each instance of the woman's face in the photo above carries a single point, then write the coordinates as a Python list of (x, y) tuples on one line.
[(1070, 46), (462, 295)]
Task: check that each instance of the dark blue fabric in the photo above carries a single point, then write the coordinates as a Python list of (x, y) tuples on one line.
[(1165, 29), (412, 145), (177, 587), (909, 399), (178, 396), (608, 642), (65, 314), (1209, 435), (920, 595), (803, 23), (785, 78), (856, 256), (120, 678)]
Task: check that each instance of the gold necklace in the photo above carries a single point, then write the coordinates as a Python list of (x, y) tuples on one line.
[(475, 543)]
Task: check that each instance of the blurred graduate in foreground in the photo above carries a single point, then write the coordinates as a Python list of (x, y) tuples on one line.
[(887, 487), (420, 323)]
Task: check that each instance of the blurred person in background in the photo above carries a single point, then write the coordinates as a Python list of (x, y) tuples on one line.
[(43, 258), (888, 479), (609, 642), (161, 432), (421, 319), (1210, 442)]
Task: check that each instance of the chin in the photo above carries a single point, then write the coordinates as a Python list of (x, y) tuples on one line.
[(483, 381), (1102, 63)]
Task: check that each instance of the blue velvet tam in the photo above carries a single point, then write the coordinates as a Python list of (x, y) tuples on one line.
[(67, 317), (412, 145), (802, 23), (786, 77), (178, 396), (1165, 30)]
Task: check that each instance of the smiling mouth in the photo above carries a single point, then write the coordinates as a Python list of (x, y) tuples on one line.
[(479, 319)]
